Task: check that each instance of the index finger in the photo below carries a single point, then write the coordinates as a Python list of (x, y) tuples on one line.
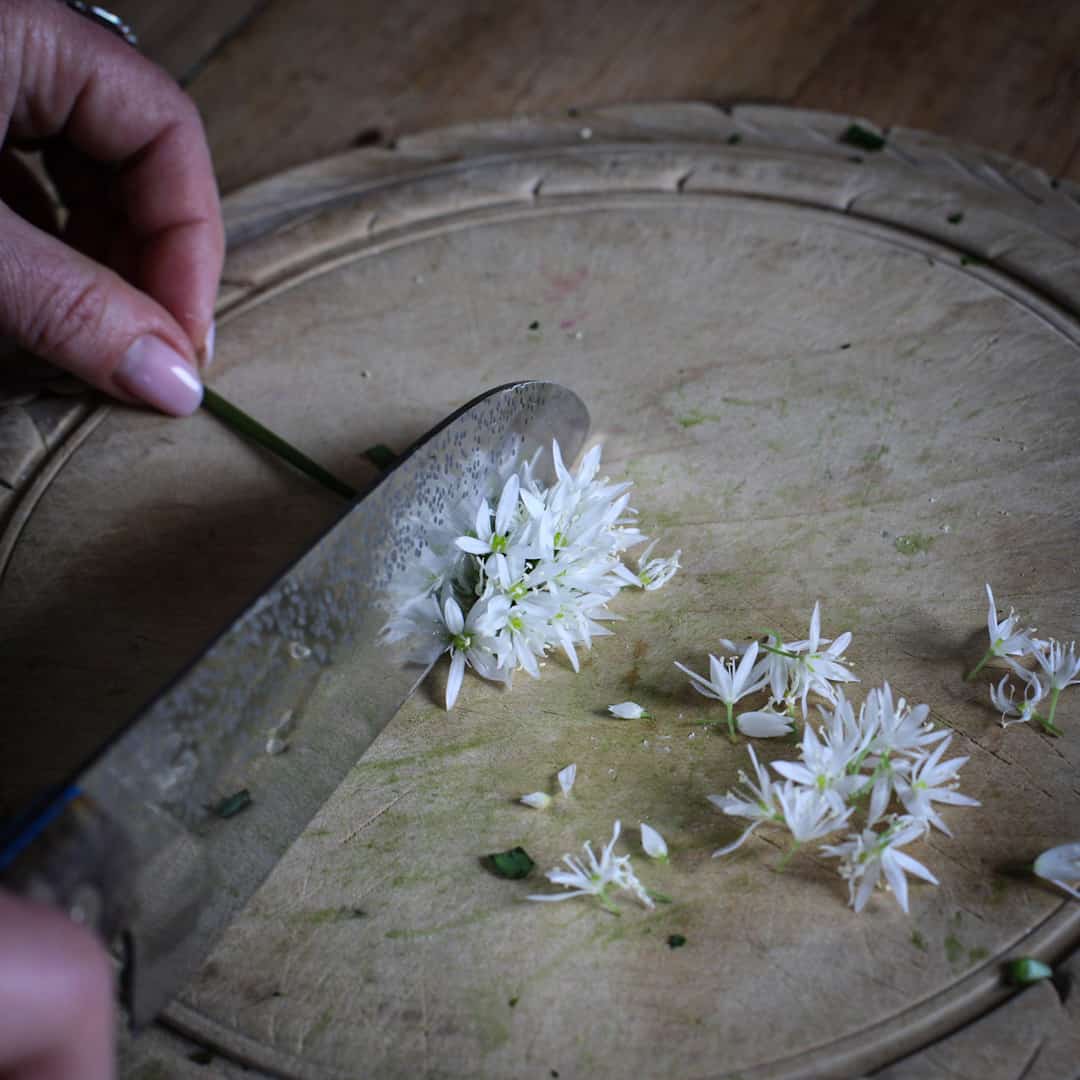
[(79, 81)]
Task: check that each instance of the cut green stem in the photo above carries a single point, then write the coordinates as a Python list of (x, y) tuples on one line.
[(782, 864), (1048, 721), (979, 666), (250, 428)]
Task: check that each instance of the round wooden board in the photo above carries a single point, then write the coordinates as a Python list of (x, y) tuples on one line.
[(824, 383)]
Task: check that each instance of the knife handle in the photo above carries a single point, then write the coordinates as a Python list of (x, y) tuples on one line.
[(76, 859)]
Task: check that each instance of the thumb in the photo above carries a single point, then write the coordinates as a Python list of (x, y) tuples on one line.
[(82, 317)]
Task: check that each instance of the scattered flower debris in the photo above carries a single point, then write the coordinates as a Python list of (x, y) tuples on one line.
[(863, 138), (791, 670), (654, 844), (514, 864), (1025, 970), (382, 457), (1061, 865), (231, 805), (887, 753), (1059, 668), (538, 800), (629, 710), (593, 877), (566, 778)]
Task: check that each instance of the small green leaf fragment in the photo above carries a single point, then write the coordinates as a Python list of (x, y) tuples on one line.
[(231, 805), (676, 941), (862, 138), (513, 1001), (534, 325), (734, 139), (382, 457), (514, 864), (1026, 970), (659, 897), (955, 218), (971, 260)]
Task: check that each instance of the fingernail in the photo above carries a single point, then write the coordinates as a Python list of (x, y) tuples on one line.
[(206, 353), (160, 376)]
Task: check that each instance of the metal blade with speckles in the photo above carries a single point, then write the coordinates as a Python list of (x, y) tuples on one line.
[(306, 664)]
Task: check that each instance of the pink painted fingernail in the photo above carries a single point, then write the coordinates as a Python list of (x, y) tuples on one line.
[(160, 376), (206, 355)]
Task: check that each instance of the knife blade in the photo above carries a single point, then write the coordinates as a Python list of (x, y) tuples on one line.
[(164, 838)]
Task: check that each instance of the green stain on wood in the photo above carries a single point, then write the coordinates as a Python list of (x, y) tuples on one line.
[(433, 931), (694, 417), (954, 949), (913, 543), (322, 916)]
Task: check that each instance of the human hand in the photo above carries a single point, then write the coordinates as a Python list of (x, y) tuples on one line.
[(123, 296), (56, 996)]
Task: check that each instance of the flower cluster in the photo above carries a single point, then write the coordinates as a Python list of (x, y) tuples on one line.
[(1042, 666), (885, 763), (791, 671), (534, 572), (593, 876)]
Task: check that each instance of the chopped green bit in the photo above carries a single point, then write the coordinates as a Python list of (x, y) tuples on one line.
[(734, 139), (513, 1001), (534, 325), (231, 805), (918, 940), (513, 864), (1025, 970), (676, 941), (971, 260), (913, 544), (863, 138), (955, 219), (382, 457)]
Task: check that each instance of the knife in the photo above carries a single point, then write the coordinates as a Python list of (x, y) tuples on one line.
[(161, 840)]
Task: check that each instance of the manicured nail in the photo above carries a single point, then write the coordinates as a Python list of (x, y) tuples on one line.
[(160, 376), (206, 353)]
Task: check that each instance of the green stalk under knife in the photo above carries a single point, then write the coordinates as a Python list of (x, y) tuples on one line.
[(250, 428)]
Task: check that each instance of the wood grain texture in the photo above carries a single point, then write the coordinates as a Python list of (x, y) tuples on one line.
[(306, 78), (182, 36)]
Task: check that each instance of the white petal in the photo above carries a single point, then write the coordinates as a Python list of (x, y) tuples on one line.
[(791, 770), (763, 724), (472, 545), (894, 875), (913, 866), (815, 627), (538, 800), (453, 680), (653, 842), (720, 852), (567, 777), (628, 710), (455, 621), (1059, 863)]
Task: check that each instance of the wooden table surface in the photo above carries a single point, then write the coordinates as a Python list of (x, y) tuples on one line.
[(281, 82)]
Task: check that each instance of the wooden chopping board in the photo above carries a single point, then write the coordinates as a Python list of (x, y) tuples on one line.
[(833, 374)]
